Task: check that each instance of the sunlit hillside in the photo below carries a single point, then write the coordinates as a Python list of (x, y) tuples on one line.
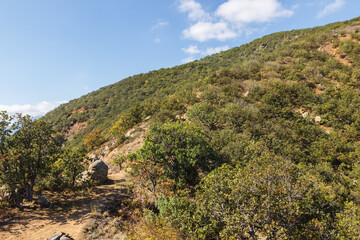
[(258, 142)]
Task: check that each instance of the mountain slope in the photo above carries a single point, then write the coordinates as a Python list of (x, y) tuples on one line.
[(100, 109), (261, 140)]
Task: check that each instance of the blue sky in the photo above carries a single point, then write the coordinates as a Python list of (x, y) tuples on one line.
[(52, 51)]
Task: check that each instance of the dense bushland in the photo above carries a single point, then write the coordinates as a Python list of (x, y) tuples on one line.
[(258, 141), (284, 126)]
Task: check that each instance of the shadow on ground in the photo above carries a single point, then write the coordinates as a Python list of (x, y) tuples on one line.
[(75, 207)]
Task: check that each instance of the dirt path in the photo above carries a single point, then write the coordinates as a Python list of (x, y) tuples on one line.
[(69, 215)]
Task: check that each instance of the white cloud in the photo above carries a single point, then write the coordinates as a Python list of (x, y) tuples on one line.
[(204, 31), (160, 24), (332, 7), (192, 49), (33, 110), (195, 52), (211, 51), (157, 40), (188, 59), (230, 19), (194, 10), (251, 11)]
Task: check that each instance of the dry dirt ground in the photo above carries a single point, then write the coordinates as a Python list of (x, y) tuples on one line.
[(69, 215)]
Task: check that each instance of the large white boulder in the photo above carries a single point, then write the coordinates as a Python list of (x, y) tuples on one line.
[(98, 171)]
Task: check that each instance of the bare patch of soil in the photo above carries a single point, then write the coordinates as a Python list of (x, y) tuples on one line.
[(335, 53), (134, 143), (77, 127), (348, 37), (318, 91), (81, 110), (326, 129)]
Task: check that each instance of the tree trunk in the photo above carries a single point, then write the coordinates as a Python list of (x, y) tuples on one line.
[(29, 192), (73, 181)]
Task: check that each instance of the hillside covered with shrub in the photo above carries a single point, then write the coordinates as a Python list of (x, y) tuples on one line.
[(262, 140), (156, 90)]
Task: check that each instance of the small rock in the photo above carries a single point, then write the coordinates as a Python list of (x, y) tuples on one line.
[(55, 237), (43, 201), (305, 114), (317, 119), (65, 238), (61, 236), (130, 133)]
